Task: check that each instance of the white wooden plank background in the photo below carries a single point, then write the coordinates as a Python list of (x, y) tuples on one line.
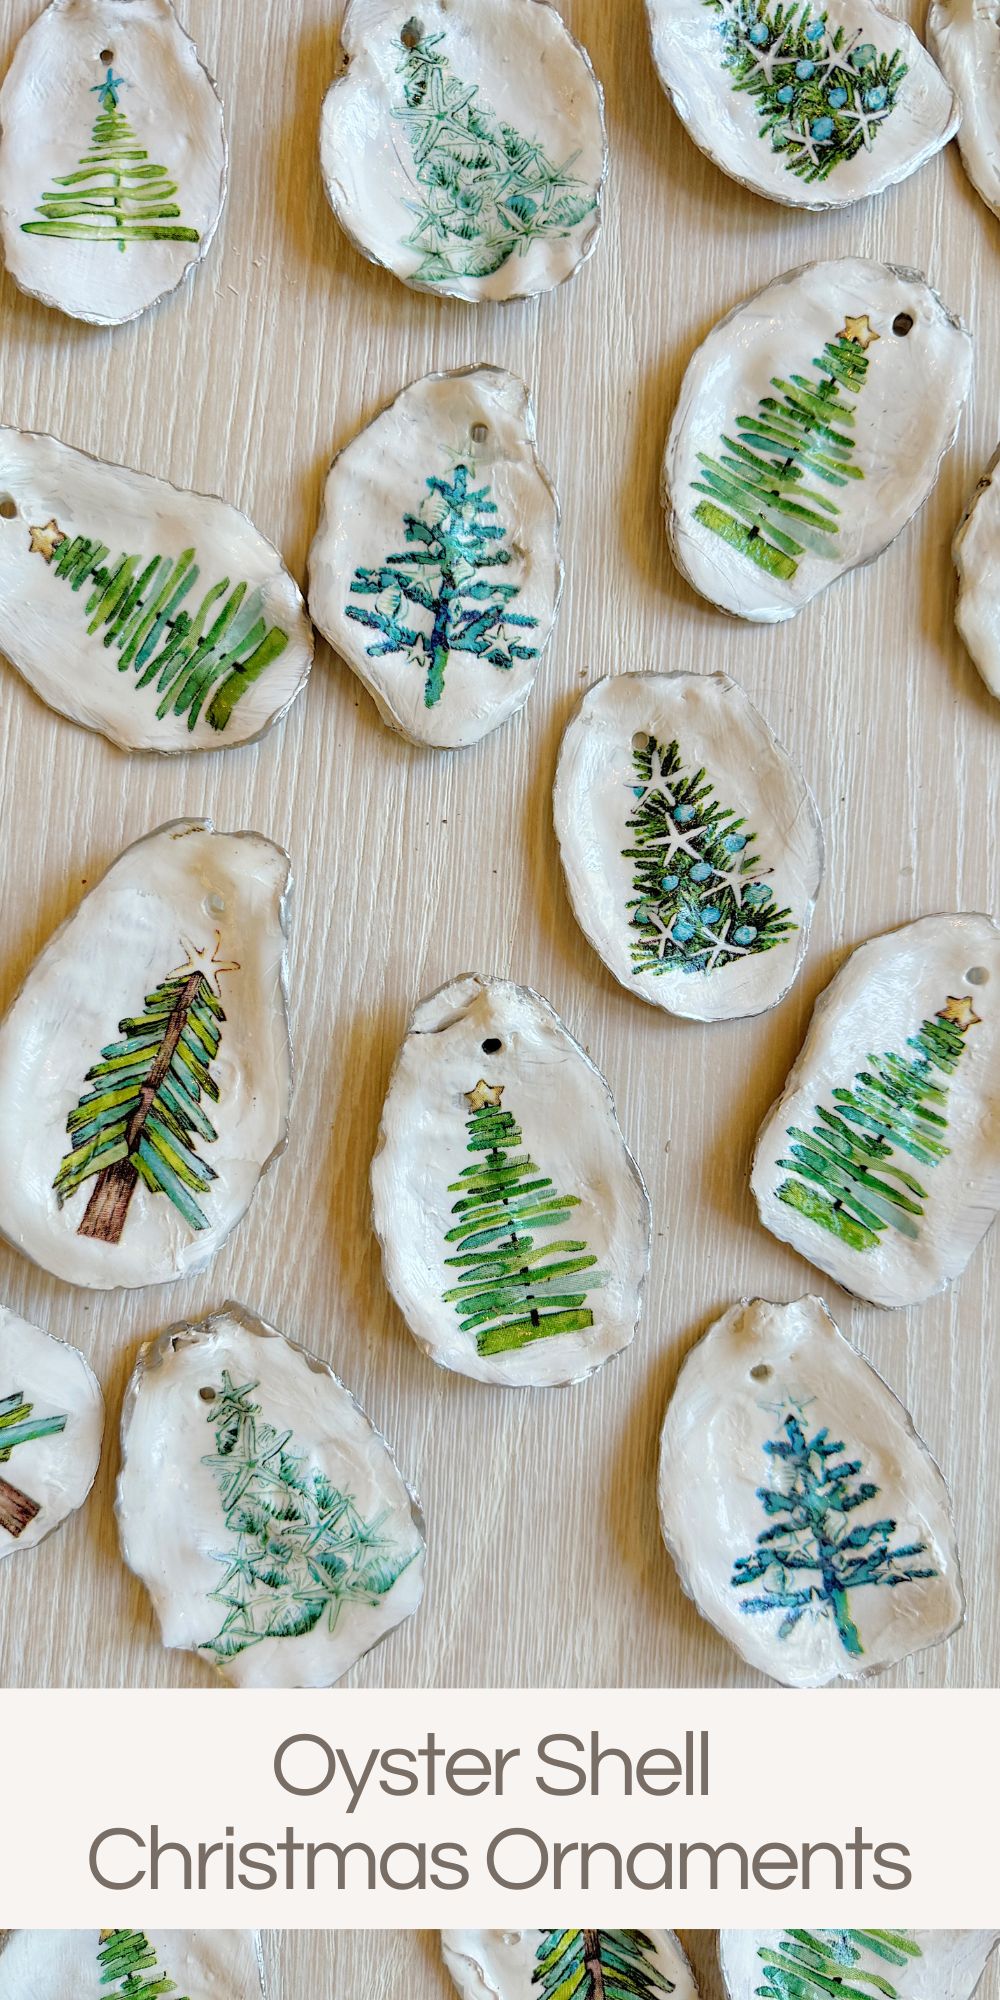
[(546, 1565)]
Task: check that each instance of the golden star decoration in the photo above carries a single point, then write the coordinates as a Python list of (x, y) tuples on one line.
[(962, 1012), (45, 541), (485, 1094), (859, 330), (198, 960)]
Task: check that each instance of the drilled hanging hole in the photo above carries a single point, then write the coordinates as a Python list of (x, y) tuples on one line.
[(640, 740), (207, 1395), (215, 905), (413, 33), (492, 1046), (977, 975), (107, 55), (902, 324), (8, 511), (761, 1373), (480, 433)]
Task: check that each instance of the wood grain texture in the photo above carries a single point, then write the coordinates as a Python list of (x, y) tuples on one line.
[(546, 1563)]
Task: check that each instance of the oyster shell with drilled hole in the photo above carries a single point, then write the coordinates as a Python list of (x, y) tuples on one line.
[(65, 1965), (964, 35), (546, 1965), (880, 1161), (145, 1069), (806, 1518), (112, 158), (878, 1965), (977, 559), (463, 145), (293, 1544), (810, 428), (816, 106), (691, 843), (51, 1426), (514, 1224), (436, 570), (161, 618)]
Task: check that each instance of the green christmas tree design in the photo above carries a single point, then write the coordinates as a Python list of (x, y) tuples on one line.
[(212, 653), (598, 1965), (126, 1964), (815, 1965), (700, 901), (117, 195), (434, 599), (823, 96), (19, 1425), (300, 1548), (513, 1291), (813, 1554), (487, 191), (139, 1120), (765, 494), (847, 1175)]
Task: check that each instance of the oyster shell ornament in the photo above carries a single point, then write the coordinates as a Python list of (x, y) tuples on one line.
[(814, 106), (162, 619), (436, 571), (294, 1545), (463, 145), (691, 844), (965, 38), (514, 1224), (880, 1161), (810, 428), (546, 1965), (880, 1965), (112, 159), (977, 559), (807, 1520), (51, 1426), (125, 1965), (145, 1070)]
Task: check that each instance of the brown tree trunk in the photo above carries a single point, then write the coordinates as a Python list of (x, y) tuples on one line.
[(107, 1209), (592, 1961), (16, 1510)]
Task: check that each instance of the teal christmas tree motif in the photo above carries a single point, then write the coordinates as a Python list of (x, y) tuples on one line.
[(514, 1291), (19, 1425), (300, 1548), (598, 1965), (765, 494), (835, 1965), (813, 1556), (847, 1174), (822, 96), (210, 652), (117, 195), (487, 191), (700, 899), (435, 599), (127, 1968)]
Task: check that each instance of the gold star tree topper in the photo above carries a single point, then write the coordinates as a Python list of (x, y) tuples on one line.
[(485, 1094), (211, 967), (961, 1012), (45, 541), (860, 330)]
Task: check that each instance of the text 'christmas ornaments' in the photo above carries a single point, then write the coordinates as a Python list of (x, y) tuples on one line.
[(51, 1426), (880, 1161), (294, 1545), (112, 159), (145, 1067), (436, 570), (871, 1965), (977, 560), (809, 430), (132, 1965), (965, 38), (463, 145), (691, 844), (549, 1965), (514, 1224), (806, 1518), (813, 106), (159, 617)]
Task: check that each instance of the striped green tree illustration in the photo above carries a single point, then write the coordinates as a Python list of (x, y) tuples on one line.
[(117, 194), (598, 1965), (835, 1965), (19, 1425), (127, 1968)]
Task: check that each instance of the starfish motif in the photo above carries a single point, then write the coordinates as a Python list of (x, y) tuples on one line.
[(721, 945), (961, 1012), (45, 541), (485, 1095), (860, 330), (657, 785), (110, 87), (198, 960)]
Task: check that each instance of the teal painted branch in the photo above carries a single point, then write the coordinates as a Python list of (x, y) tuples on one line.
[(835, 1965)]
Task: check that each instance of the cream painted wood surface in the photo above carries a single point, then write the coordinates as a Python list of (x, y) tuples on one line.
[(546, 1564)]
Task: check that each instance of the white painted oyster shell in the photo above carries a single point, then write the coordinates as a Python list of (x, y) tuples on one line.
[(884, 1965), (775, 1401), (885, 353), (65, 1965), (976, 552), (70, 237), (816, 108), (476, 1046), (184, 908), (463, 145), (51, 1426), (436, 571), (657, 773), (286, 1571), (161, 618), (964, 35), (505, 1965), (901, 999)]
